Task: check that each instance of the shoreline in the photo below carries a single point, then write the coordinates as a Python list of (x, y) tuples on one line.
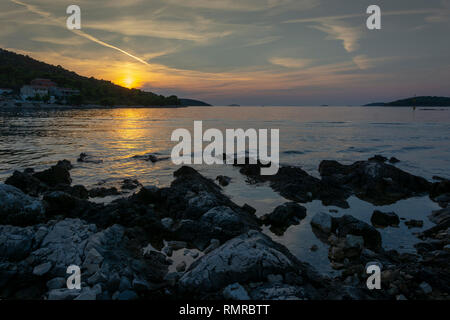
[(174, 235)]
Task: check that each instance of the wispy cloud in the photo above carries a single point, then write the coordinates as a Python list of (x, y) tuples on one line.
[(290, 62), (61, 22), (341, 31)]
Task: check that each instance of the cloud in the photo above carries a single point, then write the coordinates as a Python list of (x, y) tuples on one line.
[(340, 31), (290, 62), (363, 62), (61, 22)]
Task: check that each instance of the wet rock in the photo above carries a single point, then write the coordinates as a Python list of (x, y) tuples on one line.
[(235, 292), (440, 188), (130, 184), (426, 288), (102, 192), (394, 160), (249, 209), (150, 157), (384, 219), (322, 222), (148, 194), (349, 225), (284, 216), (373, 181), (54, 176), (181, 267), (27, 183), (17, 208), (84, 157), (414, 223), (66, 164), (378, 158), (176, 245), (314, 248), (223, 180)]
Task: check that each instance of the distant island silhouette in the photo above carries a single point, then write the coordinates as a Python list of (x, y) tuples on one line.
[(17, 70), (423, 101)]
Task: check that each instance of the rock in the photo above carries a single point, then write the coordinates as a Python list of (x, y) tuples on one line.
[(349, 225), (150, 157), (394, 160), (54, 176), (60, 203), (16, 243), (354, 241), (176, 245), (63, 294), (27, 183), (322, 222), (223, 180), (222, 217), (275, 278), (414, 223), (314, 248), (127, 295), (140, 285), (401, 297), (249, 209), (224, 266), (130, 184), (278, 291), (167, 223), (426, 288), (384, 219), (66, 164), (56, 283), (284, 216), (181, 267), (87, 294), (378, 158), (17, 208), (124, 284), (235, 292), (103, 192), (439, 188), (373, 181), (42, 269), (440, 216), (84, 157), (148, 194), (213, 246)]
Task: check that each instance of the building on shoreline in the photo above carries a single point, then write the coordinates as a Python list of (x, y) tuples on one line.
[(46, 87)]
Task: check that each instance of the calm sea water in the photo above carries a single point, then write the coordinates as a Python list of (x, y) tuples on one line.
[(419, 138)]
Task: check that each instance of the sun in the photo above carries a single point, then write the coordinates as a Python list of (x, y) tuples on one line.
[(128, 82)]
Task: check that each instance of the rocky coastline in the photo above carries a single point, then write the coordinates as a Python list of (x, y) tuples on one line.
[(129, 248)]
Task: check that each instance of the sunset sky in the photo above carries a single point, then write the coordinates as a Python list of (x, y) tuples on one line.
[(250, 52)]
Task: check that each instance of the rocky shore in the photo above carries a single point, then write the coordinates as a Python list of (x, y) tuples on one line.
[(191, 241)]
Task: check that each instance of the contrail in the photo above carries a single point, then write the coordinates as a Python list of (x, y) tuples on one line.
[(47, 15)]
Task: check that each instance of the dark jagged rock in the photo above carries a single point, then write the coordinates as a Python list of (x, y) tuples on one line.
[(102, 192), (150, 157), (54, 176), (84, 157), (284, 216), (350, 225), (378, 158), (65, 164), (384, 219), (373, 181), (223, 180), (248, 209), (27, 183), (17, 208), (394, 160), (42, 253), (440, 188), (130, 184), (297, 185), (414, 223)]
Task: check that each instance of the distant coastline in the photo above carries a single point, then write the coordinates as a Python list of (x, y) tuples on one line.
[(423, 101)]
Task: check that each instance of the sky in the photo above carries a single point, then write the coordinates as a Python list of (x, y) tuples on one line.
[(247, 52)]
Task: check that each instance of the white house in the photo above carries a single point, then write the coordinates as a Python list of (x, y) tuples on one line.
[(31, 91)]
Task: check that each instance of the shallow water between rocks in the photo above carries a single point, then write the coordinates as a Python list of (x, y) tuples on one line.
[(308, 135)]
